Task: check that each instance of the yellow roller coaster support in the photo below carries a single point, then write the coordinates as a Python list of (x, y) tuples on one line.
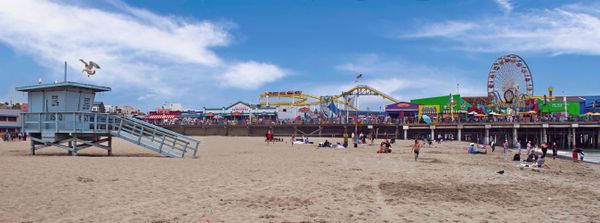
[(298, 98)]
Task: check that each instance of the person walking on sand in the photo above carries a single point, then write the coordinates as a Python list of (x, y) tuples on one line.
[(505, 147), (354, 140), (293, 139), (345, 140), (416, 148), (544, 147), (554, 150), (269, 136)]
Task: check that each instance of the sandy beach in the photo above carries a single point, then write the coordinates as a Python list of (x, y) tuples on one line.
[(244, 180)]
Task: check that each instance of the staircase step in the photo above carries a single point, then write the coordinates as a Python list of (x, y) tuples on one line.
[(132, 135)]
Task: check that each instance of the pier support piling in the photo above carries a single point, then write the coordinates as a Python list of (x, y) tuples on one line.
[(515, 135), (486, 139), (544, 136), (574, 140)]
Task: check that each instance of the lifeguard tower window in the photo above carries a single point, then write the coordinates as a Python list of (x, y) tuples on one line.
[(86, 104), (55, 100)]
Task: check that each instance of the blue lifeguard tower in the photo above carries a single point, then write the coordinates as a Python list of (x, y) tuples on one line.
[(60, 115)]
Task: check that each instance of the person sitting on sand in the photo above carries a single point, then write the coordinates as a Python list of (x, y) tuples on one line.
[(532, 157), (577, 154), (388, 146), (384, 147), (473, 150), (517, 157), (541, 163), (326, 144), (381, 148), (416, 148)]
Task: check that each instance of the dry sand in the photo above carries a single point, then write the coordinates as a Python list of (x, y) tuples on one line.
[(244, 180)]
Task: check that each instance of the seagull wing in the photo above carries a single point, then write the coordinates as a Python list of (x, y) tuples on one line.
[(83, 61), (94, 64)]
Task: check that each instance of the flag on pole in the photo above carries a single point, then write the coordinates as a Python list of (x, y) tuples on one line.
[(358, 77)]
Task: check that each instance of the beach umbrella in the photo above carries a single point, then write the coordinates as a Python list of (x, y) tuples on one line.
[(492, 113), (472, 113), (426, 119)]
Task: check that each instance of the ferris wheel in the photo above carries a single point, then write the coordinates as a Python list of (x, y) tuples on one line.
[(509, 80)]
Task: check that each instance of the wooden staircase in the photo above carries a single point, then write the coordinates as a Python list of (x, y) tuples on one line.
[(155, 138)]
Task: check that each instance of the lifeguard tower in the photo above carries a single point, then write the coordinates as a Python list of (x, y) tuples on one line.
[(60, 115)]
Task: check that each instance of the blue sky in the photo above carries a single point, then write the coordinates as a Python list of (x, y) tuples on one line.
[(212, 53)]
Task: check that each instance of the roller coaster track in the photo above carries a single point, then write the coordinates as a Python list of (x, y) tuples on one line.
[(298, 98)]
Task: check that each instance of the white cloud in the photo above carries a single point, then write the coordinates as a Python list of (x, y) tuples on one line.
[(564, 30), (251, 75), (446, 29), (506, 5), (142, 54)]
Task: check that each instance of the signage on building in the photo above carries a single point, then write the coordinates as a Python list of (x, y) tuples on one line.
[(240, 108)]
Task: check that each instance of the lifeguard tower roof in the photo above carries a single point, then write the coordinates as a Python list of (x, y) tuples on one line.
[(94, 88)]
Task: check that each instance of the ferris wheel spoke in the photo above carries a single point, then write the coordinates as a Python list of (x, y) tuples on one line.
[(509, 72)]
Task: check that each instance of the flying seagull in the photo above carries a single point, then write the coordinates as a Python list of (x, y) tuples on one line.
[(89, 67)]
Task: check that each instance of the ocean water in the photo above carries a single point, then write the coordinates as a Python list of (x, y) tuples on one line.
[(590, 155)]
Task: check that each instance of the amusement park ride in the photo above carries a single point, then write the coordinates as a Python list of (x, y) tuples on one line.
[(510, 90), (347, 98), (510, 85)]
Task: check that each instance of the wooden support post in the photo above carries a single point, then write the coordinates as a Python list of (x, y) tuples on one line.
[(70, 151), (32, 147), (598, 139), (109, 145), (196, 149), (544, 136), (515, 136), (432, 127), (459, 134), (574, 138), (486, 139), (569, 138), (74, 146)]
